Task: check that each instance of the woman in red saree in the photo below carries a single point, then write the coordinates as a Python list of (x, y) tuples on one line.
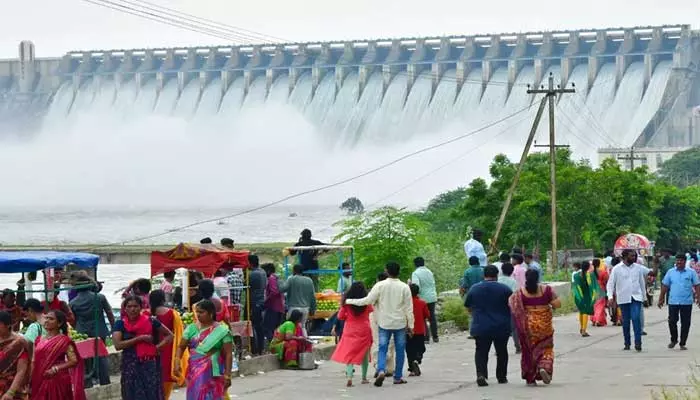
[(57, 372), (532, 311), (14, 361), (171, 320)]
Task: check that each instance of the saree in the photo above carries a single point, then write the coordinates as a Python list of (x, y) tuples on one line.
[(288, 351), (599, 317), (533, 323), (586, 292), (11, 352), (205, 380), (65, 385)]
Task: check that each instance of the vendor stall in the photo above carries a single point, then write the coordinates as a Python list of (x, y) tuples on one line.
[(207, 259), (327, 299), (50, 262)]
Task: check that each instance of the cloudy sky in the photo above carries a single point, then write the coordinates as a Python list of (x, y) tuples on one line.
[(57, 26)]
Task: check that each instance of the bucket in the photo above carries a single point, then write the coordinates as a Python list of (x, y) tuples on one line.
[(307, 361)]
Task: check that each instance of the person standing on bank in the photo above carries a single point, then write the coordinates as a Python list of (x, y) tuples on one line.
[(301, 295), (425, 280), (394, 308), (627, 289), (258, 284), (683, 287), (487, 302)]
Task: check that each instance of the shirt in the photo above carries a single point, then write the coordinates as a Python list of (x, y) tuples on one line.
[(300, 292), (420, 314), (537, 267), (498, 265), (258, 283), (509, 281), (627, 283), (83, 306), (472, 276), (680, 284), (344, 283), (488, 303), (394, 304), (235, 285), (307, 258), (474, 248), (221, 287), (34, 331), (424, 278), (519, 271), (274, 299)]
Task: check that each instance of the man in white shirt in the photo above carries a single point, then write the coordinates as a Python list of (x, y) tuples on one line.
[(474, 248), (627, 288), (394, 317), (502, 259)]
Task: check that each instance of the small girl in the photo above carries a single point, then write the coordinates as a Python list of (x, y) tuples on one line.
[(356, 341)]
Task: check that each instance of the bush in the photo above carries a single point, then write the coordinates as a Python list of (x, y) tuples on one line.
[(688, 393), (452, 309), (447, 266)]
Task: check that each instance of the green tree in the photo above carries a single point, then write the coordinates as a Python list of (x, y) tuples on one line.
[(383, 235), (683, 169), (352, 205)]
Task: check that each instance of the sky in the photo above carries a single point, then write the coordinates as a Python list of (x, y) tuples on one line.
[(59, 26)]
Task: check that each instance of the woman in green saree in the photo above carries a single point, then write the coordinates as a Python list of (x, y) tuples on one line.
[(289, 341), (586, 293), (210, 348)]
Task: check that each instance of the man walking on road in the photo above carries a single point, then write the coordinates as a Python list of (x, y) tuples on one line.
[(424, 279), (491, 323), (627, 288), (394, 308), (682, 284)]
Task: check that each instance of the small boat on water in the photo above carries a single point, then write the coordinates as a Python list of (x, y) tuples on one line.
[(221, 222), (293, 215)]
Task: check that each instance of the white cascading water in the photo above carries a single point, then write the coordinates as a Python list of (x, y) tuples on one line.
[(139, 146)]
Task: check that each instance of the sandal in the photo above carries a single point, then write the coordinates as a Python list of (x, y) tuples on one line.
[(365, 381), (400, 382), (380, 379), (349, 383)]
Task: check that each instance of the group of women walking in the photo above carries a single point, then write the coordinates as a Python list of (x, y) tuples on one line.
[(56, 371)]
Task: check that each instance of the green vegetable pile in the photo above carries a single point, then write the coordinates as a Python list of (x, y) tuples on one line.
[(327, 305), (76, 336), (187, 318)]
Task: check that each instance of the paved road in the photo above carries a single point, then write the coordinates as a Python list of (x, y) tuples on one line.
[(585, 368)]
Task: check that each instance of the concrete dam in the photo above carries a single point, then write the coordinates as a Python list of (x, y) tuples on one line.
[(634, 86)]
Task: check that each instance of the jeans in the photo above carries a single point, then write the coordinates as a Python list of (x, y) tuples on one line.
[(415, 348), (684, 311), (632, 312), (256, 318), (433, 323), (400, 345), (271, 320), (481, 356)]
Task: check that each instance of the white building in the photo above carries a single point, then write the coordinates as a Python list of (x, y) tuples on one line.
[(652, 157)]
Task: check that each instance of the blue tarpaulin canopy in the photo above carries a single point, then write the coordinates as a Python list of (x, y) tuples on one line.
[(32, 261)]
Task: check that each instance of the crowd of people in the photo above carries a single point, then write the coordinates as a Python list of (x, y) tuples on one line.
[(507, 299)]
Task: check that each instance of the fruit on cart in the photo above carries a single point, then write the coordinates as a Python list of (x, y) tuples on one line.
[(327, 305), (187, 318), (76, 336)]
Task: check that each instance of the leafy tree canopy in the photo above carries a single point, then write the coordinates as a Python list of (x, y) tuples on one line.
[(352, 205), (683, 169)]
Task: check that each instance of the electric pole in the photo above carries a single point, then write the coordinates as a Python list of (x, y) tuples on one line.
[(551, 92), (631, 158)]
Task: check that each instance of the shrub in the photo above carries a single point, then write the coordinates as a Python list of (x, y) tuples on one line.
[(452, 309)]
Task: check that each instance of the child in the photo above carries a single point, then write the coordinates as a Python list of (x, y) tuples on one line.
[(415, 344), (356, 341)]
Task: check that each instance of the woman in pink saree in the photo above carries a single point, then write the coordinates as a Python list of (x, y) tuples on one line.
[(532, 311), (57, 372), (210, 345), (599, 315)]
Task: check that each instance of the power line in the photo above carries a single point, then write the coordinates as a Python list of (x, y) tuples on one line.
[(321, 188), (210, 22), (178, 23)]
